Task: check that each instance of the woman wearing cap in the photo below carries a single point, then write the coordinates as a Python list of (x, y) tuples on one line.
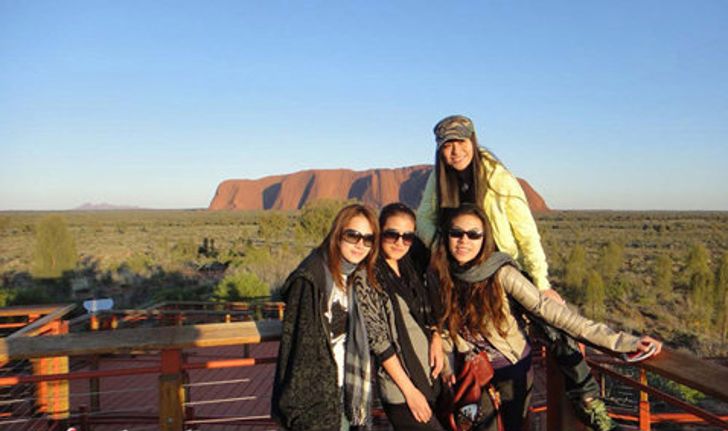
[(322, 379), (400, 326), (480, 289), (464, 172)]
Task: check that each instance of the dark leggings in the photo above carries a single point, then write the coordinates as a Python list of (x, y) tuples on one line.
[(401, 418), (514, 383)]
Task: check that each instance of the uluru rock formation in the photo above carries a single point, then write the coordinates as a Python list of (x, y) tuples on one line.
[(376, 187)]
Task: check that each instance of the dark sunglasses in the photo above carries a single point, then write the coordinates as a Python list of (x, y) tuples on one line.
[(459, 233), (354, 236), (393, 236)]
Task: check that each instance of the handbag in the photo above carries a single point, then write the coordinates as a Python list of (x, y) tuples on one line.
[(463, 411)]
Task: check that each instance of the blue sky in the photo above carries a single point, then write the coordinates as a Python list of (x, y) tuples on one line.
[(615, 105)]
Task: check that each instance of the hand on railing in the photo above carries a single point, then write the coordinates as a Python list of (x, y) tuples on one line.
[(646, 348)]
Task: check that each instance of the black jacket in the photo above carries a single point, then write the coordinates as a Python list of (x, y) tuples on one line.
[(306, 395)]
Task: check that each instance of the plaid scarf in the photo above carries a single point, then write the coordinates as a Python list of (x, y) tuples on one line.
[(357, 362), (357, 368)]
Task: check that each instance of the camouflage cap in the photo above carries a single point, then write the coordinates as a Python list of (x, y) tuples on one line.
[(454, 127)]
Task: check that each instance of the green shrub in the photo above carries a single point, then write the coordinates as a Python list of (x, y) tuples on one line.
[(663, 274), (55, 248), (595, 296), (239, 286)]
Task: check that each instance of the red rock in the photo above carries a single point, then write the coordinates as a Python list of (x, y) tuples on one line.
[(376, 187)]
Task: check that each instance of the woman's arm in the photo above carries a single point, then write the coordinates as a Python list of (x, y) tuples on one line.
[(560, 316), (416, 402)]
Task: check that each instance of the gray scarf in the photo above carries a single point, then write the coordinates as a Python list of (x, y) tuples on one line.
[(357, 363), (478, 273)]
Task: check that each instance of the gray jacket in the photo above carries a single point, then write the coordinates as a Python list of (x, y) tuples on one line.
[(516, 287)]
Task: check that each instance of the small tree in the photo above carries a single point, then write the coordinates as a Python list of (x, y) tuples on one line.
[(241, 285), (316, 218), (610, 261), (575, 273), (272, 225), (721, 297), (663, 274), (595, 295), (700, 284), (55, 248)]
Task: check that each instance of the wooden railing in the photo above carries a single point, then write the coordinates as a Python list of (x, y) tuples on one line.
[(169, 343)]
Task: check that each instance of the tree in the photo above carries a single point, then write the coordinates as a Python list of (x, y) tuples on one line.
[(55, 248), (595, 295), (316, 218), (700, 284), (239, 286), (575, 272), (663, 274), (610, 261), (272, 225), (721, 297)]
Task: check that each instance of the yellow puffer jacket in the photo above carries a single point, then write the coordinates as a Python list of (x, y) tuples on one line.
[(505, 204)]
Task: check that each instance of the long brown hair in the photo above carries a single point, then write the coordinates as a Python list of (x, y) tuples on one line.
[(467, 305), (448, 194), (331, 247)]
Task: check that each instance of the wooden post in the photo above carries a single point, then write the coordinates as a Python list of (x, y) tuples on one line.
[(52, 397), (171, 391), (559, 414), (644, 404)]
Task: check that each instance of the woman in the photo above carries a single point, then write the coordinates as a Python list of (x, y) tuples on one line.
[(322, 379), (401, 327), (467, 173), (479, 287)]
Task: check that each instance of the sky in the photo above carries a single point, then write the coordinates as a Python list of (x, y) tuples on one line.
[(599, 105)]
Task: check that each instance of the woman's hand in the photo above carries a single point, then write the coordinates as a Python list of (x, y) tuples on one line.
[(437, 356), (418, 405), (646, 342)]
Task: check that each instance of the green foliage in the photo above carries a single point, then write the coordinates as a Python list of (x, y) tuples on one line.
[(316, 219), (239, 286), (610, 261), (576, 271), (663, 274), (721, 297), (595, 296), (663, 384), (272, 226), (700, 283), (55, 248), (140, 263)]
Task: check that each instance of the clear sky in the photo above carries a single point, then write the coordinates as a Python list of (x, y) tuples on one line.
[(615, 105)]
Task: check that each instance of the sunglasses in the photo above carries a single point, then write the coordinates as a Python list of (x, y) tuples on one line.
[(393, 236), (459, 233), (354, 236)]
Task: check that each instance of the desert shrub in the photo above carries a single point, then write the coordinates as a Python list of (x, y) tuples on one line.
[(700, 283), (688, 394), (272, 226), (663, 274), (595, 296), (55, 248), (183, 251), (721, 296), (239, 286), (610, 261), (140, 263), (316, 218), (575, 272)]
